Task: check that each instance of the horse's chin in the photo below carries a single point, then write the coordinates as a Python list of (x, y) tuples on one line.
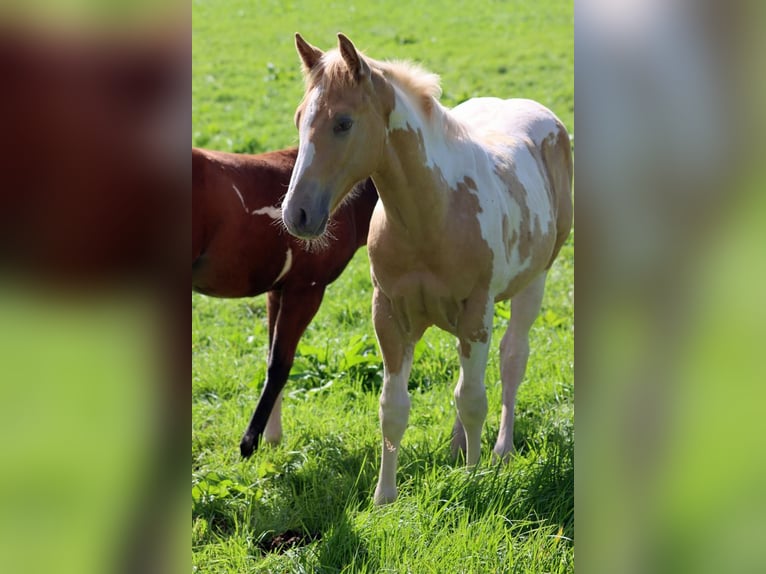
[(317, 243)]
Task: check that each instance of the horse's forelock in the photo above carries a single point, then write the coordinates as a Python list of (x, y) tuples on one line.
[(331, 70)]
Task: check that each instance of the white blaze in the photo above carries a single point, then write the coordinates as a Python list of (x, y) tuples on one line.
[(306, 149)]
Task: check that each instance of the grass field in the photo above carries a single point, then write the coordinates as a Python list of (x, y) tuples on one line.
[(305, 506)]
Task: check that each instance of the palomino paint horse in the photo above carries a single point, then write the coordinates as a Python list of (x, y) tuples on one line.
[(475, 205), (239, 249)]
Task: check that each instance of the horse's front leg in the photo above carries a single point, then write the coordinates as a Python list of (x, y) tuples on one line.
[(394, 399), (296, 310), (470, 392)]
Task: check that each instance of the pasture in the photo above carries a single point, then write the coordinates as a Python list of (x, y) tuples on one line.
[(306, 506)]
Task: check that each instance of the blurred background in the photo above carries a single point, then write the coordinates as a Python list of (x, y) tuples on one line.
[(94, 387), (94, 218), (669, 286)]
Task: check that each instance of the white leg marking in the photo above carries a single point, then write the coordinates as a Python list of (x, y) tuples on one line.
[(514, 352), (286, 266), (394, 413), (272, 434), (471, 397)]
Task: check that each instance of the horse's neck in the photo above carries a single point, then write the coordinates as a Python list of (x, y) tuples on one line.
[(364, 205), (420, 169)]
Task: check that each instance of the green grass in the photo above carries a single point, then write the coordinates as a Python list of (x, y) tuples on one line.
[(316, 488)]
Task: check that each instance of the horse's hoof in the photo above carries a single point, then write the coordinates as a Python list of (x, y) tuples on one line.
[(248, 446), (384, 496), (457, 448), (502, 455)]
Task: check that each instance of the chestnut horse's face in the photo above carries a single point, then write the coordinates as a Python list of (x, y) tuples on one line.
[(342, 128)]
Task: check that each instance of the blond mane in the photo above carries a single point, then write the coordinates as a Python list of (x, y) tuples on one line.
[(419, 84)]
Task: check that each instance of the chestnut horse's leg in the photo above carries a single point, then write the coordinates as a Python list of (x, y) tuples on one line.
[(296, 310), (394, 400), (273, 432), (514, 352)]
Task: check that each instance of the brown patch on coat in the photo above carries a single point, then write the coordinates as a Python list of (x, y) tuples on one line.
[(525, 238), (556, 154), (427, 251), (532, 241)]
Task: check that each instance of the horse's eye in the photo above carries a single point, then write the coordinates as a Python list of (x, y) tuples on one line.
[(342, 125)]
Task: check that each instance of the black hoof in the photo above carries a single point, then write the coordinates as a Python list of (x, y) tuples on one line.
[(248, 446)]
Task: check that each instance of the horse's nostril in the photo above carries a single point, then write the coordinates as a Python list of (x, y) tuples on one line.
[(303, 218)]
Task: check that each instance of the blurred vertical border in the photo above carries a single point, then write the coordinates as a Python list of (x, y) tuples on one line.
[(95, 105), (671, 321), (94, 216)]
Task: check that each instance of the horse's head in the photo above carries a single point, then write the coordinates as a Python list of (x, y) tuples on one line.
[(342, 128)]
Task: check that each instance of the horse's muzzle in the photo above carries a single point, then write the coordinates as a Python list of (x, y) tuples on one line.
[(306, 218), (305, 224)]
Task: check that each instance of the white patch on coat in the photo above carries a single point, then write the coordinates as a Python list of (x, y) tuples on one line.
[(286, 266), (439, 151), (515, 116), (241, 199), (505, 127), (529, 175), (270, 210), (497, 127), (398, 118)]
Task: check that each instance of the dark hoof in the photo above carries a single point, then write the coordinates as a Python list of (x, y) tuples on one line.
[(248, 446)]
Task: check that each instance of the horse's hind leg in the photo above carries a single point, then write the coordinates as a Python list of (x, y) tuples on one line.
[(514, 352), (296, 310)]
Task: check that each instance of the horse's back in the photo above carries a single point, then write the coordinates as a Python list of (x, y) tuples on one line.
[(259, 176), (516, 117), (535, 148)]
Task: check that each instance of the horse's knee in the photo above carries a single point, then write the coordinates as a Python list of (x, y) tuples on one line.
[(514, 347), (394, 413), (471, 402)]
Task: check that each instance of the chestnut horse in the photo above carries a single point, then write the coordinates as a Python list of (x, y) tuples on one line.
[(475, 203), (240, 249)]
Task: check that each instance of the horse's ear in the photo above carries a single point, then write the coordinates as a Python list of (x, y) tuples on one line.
[(353, 59), (309, 54)]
